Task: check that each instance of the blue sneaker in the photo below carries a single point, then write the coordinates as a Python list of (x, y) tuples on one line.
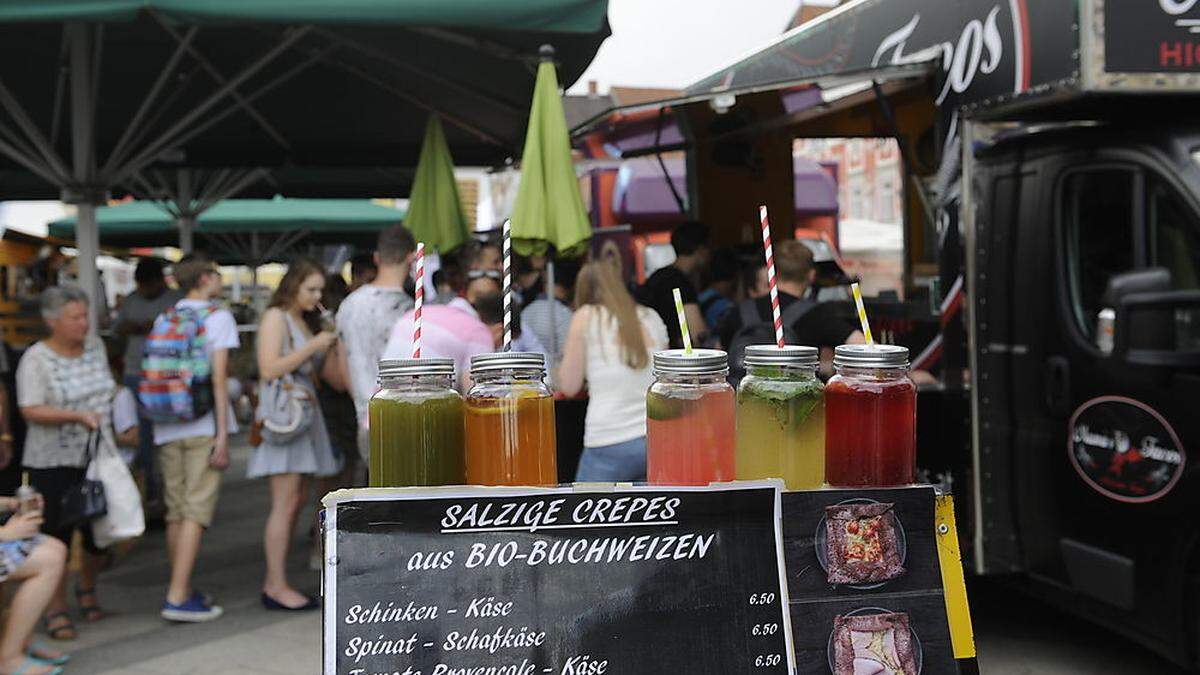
[(195, 610)]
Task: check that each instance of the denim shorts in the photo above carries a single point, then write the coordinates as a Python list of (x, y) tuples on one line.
[(619, 462)]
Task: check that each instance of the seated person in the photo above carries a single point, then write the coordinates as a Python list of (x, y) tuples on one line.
[(37, 561)]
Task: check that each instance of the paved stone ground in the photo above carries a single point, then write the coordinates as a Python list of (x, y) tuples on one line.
[(1016, 635), (247, 639)]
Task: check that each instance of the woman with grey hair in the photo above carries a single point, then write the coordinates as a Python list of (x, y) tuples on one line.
[(65, 391)]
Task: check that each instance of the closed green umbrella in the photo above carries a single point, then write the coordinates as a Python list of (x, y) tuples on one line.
[(435, 214), (549, 208)]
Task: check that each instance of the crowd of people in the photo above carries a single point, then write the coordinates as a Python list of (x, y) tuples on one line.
[(324, 338)]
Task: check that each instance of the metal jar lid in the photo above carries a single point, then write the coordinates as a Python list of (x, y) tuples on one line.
[(871, 356), (490, 363), (699, 362), (415, 367), (788, 355)]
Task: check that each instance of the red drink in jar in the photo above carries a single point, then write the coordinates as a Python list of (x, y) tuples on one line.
[(689, 419), (870, 418)]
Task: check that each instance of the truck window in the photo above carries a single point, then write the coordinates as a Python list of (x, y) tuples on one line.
[(1099, 224), (1173, 233)]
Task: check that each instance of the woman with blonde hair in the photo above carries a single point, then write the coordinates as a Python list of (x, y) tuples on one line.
[(609, 345)]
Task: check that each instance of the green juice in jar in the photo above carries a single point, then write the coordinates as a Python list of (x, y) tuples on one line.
[(781, 417), (416, 425)]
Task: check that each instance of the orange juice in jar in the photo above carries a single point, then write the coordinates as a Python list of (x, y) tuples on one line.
[(510, 431)]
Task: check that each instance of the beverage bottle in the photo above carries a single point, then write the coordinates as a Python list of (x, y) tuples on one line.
[(689, 419), (510, 430), (27, 496), (870, 418), (416, 425), (781, 417)]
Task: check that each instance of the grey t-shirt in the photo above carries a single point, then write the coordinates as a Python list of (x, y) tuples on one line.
[(136, 309), (364, 322)]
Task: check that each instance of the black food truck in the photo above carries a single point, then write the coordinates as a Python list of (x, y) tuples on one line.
[(1052, 266)]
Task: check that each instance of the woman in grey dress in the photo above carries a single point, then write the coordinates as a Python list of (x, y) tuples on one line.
[(292, 344)]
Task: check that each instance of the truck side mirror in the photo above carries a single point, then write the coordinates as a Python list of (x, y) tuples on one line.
[(1153, 325), (1144, 328)]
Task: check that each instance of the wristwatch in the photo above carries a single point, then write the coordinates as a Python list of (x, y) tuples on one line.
[(6, 437)]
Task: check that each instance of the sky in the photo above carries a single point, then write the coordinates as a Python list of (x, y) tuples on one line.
[(672, 43)]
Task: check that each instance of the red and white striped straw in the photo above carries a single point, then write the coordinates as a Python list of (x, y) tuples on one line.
[(770, 253), (420, 300)]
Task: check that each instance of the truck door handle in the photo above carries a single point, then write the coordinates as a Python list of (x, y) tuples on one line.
[(1058, 385)]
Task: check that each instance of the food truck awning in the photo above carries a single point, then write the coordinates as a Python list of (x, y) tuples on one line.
[(633, 129), (642, 195)]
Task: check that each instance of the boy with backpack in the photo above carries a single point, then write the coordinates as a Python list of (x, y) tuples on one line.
[(805, 322), (184, 389)]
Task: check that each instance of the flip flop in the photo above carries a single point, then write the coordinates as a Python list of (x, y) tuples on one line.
[(56, 633), (35, 647), (29, 663)]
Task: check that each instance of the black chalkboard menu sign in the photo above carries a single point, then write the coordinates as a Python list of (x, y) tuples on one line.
[(571, 581)]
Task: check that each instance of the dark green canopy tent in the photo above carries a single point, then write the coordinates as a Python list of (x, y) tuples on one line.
[(96, 93), (244, 231)]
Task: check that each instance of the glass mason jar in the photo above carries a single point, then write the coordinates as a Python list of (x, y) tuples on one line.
[(781, 417), (870, 418), (416, 425), (689, 419), (510, 421)]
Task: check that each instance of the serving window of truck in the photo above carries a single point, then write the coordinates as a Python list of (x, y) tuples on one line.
[(1052, 185)]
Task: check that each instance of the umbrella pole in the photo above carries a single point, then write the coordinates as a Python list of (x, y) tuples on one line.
[(87, 195), (87, 241), (187, 214), (187, 233), (553, 346)]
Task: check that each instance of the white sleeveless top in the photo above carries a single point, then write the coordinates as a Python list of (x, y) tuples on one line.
[(617, 393)]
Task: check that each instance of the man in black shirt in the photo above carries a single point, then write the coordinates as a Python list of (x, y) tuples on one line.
[(822, 326), (690, 241)]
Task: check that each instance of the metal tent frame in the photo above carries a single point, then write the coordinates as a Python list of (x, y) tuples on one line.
[(86, 180)]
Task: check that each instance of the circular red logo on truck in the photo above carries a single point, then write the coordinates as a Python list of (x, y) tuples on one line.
[(1124, 449)]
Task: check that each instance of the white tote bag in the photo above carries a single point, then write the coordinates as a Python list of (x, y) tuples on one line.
[(124, 519)]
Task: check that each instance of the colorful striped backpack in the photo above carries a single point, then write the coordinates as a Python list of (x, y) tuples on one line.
[(176, 384)]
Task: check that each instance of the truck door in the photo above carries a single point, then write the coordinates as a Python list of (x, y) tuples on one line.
[(1097, 491)]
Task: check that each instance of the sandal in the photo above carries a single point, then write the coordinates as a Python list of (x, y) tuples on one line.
[(63, 631), (92, 611), (28, 663), (41, 652)]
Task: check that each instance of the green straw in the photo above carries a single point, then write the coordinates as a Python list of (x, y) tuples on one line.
[(687, 338)]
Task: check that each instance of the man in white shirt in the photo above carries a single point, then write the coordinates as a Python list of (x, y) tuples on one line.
[(193, 454), (366, 317)]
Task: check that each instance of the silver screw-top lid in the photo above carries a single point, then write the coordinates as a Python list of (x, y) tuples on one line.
[(788, 355), (415, 367), (871, 356), (488, 363), (699, 362)]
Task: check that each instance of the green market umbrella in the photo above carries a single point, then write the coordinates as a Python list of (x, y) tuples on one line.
[(435, 213), (244, 230), (549, 208)]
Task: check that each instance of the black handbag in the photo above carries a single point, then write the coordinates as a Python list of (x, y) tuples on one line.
[(84, 501)]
